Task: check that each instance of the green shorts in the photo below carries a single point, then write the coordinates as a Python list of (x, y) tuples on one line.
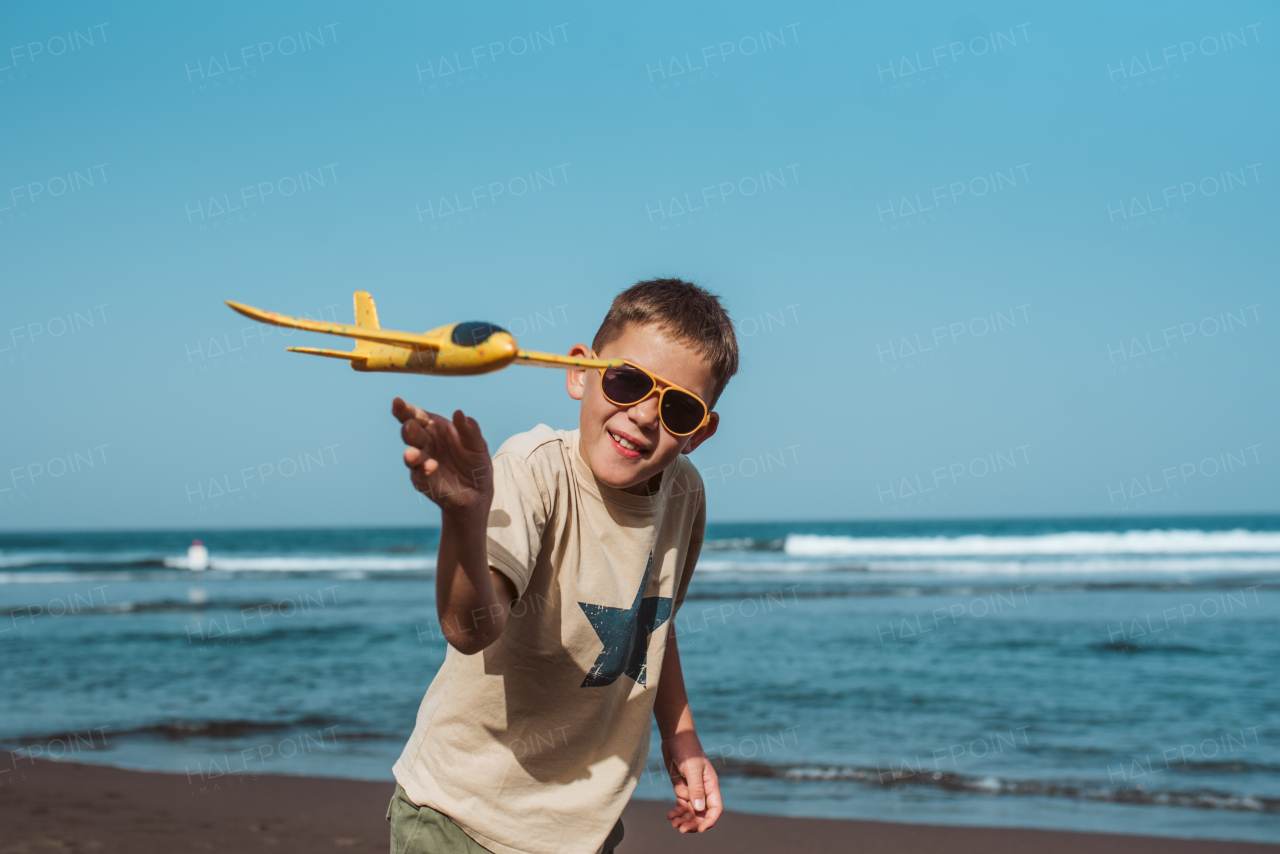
[(422, 830)]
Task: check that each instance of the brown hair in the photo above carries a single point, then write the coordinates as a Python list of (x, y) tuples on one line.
[(683, 310)]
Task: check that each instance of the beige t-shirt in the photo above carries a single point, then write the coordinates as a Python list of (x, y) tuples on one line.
[(534, 745)]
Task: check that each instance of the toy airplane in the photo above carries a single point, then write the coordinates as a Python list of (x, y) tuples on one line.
[(459, 349)]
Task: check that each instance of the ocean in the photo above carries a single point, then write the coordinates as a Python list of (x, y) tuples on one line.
[(1094, 674)]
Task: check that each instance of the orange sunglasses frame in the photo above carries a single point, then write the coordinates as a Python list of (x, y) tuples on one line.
[(667, 385)]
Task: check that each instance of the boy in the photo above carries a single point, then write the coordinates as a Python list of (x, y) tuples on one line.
[(562, 563)]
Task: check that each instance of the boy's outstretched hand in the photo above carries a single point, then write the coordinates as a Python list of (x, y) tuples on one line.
[(449, 463), (448, 460), (695, 782)]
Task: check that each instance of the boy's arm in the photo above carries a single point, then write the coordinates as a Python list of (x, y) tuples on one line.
[(449, 463), (472, 598), (697, 787)]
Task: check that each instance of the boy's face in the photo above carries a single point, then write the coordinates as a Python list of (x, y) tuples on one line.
[(602, 423)]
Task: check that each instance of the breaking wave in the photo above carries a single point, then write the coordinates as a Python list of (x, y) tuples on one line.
[(325, 563), (987, 784), (1076, 543)]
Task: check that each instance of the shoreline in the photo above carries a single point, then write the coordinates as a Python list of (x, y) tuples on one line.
[(72, 806)]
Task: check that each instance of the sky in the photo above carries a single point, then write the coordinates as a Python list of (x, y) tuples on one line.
[(985, 260)]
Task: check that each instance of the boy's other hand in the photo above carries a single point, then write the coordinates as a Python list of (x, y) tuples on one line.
[(448, 460), (696, 784)]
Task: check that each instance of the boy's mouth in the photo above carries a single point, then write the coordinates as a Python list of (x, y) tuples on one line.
[(628, 447)]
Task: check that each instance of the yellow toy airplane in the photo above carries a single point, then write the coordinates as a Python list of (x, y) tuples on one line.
[(459, 349)]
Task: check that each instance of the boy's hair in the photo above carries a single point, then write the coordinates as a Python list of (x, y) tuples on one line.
[(684, 311)]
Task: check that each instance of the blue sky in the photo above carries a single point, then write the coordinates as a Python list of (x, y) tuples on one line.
[(986, 260)]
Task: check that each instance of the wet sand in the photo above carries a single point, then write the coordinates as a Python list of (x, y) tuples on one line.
[(61, 806)]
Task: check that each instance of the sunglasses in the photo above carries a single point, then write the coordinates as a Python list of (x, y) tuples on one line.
[(682, 412)]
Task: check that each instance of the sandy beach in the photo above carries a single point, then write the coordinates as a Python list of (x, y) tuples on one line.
[(57, 806)]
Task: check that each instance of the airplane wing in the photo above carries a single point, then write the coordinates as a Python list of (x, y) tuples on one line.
[(551, 360), (366, 333), (349, 355)]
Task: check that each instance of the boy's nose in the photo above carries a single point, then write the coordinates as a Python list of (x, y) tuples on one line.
[(645, 413)]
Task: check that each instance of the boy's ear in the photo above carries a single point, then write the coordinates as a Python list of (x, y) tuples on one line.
[(706, 432), (575, 382)]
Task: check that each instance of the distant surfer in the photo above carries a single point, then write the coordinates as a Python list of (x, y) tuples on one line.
[(197, 557)]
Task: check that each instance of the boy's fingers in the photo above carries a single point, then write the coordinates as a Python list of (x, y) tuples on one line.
[(464, 437), (469, 432), (698, 802), (448, 443), (461, 428), (697, 795), (419, 463), (420, 428), (714, 805), (408, 412), (696, 788), (403, 411), (415, 435), (412, 432), (445, 432)]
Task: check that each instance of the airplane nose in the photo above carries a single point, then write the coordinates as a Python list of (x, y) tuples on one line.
[(502, 343)]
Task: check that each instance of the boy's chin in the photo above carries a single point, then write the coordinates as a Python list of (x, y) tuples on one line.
[(621, 477), (618, 473)]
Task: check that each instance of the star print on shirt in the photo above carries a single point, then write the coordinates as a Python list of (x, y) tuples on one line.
[(625, 635)]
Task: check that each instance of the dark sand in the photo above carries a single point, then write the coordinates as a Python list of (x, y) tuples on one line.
[(60, 806)]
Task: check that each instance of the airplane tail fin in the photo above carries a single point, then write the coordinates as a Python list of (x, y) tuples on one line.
[(366, 315), (366, 311)]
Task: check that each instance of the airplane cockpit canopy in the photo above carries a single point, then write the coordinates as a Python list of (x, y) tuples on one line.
[(473, 333)]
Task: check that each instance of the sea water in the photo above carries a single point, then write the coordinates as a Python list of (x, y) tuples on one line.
[(1097, 674)]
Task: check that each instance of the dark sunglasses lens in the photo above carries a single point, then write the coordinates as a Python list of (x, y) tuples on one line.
[(626, 384), (682, 413)]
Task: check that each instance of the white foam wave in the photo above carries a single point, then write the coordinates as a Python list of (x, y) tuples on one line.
[(729, 565), (1172, 542), (1074, 552), (327, 563), (1086, 566)]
